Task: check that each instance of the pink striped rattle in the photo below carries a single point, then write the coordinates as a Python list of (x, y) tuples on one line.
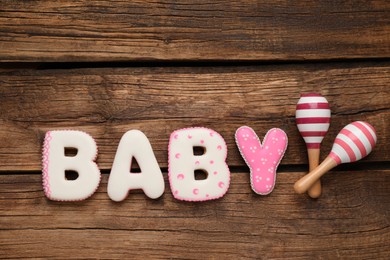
[(312, 118), (354, 142)]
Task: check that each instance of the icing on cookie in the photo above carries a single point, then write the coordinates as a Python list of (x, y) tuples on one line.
[(183, 164), (135, 144), (55, 163), (262, 159)]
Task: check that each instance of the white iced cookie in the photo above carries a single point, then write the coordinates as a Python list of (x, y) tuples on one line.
[(135, 144), (55, 163), (183, 163)]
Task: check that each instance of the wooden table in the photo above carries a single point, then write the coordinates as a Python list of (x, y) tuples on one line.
[(106, 67)]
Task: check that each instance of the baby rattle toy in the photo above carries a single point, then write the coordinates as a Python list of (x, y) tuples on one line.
[(312, 118), (354, 142)]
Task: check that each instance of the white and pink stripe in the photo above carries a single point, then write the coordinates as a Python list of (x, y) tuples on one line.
[(312, 118), (354, 142)]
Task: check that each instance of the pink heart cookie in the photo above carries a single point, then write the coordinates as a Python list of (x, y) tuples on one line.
[(262, 159)]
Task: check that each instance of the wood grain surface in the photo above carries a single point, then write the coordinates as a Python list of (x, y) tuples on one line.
[(351, 220), (70, 31), (106, 67), (108, 102)]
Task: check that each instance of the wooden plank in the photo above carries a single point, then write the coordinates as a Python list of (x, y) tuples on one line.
[(108, 102), (350, 220), (70, 31)]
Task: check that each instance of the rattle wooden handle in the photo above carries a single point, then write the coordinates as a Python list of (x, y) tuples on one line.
[(314, 160), (303, 184)]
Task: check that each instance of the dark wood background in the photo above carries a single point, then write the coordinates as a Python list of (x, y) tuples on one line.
[(106, 67)]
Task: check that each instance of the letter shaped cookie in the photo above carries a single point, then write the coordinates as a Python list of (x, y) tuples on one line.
[(55, 164), (262, 159), (183, 163), (134, 143)]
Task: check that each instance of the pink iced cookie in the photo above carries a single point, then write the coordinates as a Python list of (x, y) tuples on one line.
[(262, 159), (183, 163)]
